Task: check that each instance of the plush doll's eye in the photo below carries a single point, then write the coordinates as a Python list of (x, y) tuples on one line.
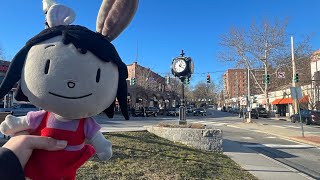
[(46, 68), (98, 75)]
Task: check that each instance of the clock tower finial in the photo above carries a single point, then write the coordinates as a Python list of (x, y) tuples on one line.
[(182, 53)]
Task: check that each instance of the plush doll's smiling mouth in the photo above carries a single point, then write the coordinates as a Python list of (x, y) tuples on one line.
[(66, 97)]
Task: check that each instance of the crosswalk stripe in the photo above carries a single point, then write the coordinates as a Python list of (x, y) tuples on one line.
[(271, 137), (291, 126), (246, 137), (279, 126), (210, 123)]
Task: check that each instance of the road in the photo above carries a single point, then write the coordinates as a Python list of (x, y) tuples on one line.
[(302, 157)]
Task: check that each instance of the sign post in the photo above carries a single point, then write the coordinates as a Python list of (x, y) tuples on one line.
[(296, 94)]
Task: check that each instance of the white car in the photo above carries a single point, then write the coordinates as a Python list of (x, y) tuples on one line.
[(20, 109)]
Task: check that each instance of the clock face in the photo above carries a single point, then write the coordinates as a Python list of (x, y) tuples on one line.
[(180, 65)]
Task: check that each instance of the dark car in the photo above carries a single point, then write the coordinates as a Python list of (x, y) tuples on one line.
[(254, 113), (307, 117), (173, 112), (262, 112), (20, 109), (199, 111), (151, 111)]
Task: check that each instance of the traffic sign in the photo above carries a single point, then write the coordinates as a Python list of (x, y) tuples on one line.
[(296, 93), (281, 75), (243, 101)]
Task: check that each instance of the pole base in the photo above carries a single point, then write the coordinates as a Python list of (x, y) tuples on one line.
[(182, 122)]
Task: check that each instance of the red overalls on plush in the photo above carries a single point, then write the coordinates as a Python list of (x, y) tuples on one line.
[(57, 165)]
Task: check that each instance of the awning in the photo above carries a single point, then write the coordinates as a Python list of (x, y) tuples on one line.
[(304, 99)]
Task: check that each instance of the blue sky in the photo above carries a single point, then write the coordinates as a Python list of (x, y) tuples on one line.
[(161, 28)]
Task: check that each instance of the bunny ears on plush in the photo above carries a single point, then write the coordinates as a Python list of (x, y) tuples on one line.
[(113, 17), (57, 14)]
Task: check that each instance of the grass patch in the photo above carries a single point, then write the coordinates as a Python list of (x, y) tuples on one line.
[(143, 155)]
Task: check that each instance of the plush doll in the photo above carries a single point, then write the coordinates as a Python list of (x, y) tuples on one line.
[(72, 73)]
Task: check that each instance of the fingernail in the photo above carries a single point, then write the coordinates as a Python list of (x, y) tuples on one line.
[(61, 143)]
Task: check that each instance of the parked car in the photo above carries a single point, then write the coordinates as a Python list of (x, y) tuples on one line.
[(254, 113), (20, 109), (173, 112), (151, 111), (199, 111), (189, 109), (262, 112), (307, 117)]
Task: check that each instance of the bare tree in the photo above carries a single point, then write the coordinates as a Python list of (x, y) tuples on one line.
[(1, 53), (205, 91), (263, 45), (149, 80)]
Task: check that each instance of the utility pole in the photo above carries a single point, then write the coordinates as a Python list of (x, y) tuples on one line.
[(293, 75), (249, 100)]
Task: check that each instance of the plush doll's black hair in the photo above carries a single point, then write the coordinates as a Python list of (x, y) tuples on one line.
[(84, 40)]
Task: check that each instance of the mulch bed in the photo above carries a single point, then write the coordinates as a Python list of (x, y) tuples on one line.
[(314, 139)]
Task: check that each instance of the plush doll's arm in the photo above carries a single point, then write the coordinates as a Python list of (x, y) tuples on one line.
[(12, 125), (102, 146)]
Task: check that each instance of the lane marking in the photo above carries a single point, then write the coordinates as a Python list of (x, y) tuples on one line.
[(279, 145), (271, 137), (246, 137)]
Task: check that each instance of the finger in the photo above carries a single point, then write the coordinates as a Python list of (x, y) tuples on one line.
[(21, 133), (46, 143)]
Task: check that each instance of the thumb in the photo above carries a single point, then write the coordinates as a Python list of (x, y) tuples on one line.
[(47, 143)]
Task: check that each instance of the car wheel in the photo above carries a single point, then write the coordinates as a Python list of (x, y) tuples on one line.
[(155, 114)]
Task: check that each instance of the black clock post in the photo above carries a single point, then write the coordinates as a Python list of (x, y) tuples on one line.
[(182, 67)]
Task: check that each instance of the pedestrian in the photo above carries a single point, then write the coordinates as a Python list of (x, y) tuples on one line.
[(16, 152)]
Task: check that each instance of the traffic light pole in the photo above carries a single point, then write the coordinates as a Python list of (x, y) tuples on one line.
[(293, 75)]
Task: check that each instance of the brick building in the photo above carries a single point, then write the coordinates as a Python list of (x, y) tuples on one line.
[(236, 84), (149, 89)]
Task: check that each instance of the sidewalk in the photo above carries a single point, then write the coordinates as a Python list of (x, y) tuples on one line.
[(259, 165)]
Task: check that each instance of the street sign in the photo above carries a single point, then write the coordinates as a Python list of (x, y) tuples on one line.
[(281, 75), (296, 93), (243, 101)]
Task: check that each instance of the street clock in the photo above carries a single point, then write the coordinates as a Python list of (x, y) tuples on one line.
[(182, 66)]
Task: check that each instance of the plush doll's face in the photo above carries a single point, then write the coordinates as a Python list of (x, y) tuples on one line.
[(60, 79)]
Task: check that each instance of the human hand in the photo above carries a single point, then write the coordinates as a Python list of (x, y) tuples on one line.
[(22, 146)]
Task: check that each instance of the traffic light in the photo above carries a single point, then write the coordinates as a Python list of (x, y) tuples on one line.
[(208, 78), (267, 80), (187, 81), (296, 77), (168, 80), (133, 81)]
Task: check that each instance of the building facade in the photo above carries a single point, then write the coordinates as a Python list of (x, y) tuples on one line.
[(147, 88), (236, 84)]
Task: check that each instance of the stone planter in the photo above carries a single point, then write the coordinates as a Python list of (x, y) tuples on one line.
[(203, 139)]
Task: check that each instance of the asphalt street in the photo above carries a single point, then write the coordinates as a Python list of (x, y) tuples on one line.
[(295, 155)]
